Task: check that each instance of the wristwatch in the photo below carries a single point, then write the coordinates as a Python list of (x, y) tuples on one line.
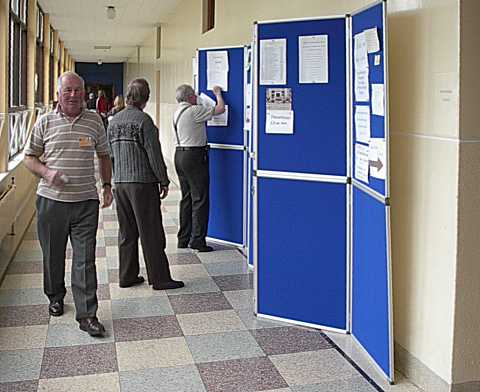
[(106, 184)]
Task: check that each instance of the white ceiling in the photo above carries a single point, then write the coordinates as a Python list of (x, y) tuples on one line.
[(83, 24)]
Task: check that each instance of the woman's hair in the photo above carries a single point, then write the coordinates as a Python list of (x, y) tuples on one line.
[(119, 102), (138, 92)]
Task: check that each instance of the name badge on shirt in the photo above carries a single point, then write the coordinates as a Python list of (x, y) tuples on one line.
[(85, 142)]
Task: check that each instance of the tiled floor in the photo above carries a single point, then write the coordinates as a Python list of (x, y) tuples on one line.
[(202, 337)]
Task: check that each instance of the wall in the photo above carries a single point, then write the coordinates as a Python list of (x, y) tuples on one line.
[(466, 353), (429, 193)]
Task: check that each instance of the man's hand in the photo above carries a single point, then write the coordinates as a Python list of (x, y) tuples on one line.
[(217, 90), (163, 192), (55, 178), (107, 197)]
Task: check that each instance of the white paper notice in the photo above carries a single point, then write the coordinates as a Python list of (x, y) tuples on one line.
[(273, 61), (360, 51), (376, 60), (378, 98), (279, 121), (361, 162), (371, 36), (205, 100), (378, 158), (362, 123), (361, 85), (217, 69), (220, 120), (313, 59)]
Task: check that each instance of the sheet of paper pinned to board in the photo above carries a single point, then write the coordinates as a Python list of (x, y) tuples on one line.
[(220, 120), (273, 61), (371, 37), (217, 69), (362, 93), (279, 121), (378, 100), (362, 123), (361, 162), (377, 157), (360, 50), (313, 59)]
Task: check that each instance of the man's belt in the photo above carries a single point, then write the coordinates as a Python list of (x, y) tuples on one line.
[(202, 148)]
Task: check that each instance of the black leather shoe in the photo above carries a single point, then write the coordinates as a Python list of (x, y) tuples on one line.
[(138, 280), (181, 245), (202, 248), (92, 326), (55, 308), (172, 284)]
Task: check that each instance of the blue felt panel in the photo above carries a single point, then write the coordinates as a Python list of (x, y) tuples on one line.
[(318, 144), (226, 195), (371, 17), (302, 251), (370, 304), (233, 133)]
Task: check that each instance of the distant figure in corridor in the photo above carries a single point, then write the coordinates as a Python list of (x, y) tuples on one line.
[(103, 106), (118, 105), (67, 202), (91, 102), (139, 171), (191, 163)]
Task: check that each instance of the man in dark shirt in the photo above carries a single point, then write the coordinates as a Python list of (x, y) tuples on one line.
[(139, 170)]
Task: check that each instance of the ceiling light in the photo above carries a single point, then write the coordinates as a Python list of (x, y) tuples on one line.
[(111, 12), (99, 61)]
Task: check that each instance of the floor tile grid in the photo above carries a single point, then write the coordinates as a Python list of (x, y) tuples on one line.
[(230, 286)]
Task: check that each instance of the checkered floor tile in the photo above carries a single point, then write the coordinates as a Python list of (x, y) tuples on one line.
[(203, 337)]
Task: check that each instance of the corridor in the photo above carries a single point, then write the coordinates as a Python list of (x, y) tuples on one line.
[(203, 337)]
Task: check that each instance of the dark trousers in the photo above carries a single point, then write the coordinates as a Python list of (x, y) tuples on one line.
[(56, 221), (194, 177), (139, 215)]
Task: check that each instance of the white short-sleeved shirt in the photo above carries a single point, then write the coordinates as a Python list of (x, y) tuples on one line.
[(191, 129)]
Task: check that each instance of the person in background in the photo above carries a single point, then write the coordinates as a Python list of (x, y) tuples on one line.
[(118, 105), (91, 102), (191, 163), (67, 199), (139, 171), (102, 106)]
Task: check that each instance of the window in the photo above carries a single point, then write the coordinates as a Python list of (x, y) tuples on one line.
[(39, 58), (17, 77), (208, 15), (17, 61)]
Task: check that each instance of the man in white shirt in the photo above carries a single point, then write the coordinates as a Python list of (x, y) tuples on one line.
[(191, 163)]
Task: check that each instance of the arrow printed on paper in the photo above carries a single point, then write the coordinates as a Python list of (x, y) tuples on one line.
[(376, 164)]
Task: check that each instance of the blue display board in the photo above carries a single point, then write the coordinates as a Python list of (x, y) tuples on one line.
[(370, 18), (227, 155), (301, 268), (233, 133), (370, 271), (371, 319), (301, 252), (226, 195), (318, 144)]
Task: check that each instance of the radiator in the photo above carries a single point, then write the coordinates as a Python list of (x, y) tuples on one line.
[(7, 211)]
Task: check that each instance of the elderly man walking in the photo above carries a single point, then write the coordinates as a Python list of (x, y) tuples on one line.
[(61, 151), (139, 172)]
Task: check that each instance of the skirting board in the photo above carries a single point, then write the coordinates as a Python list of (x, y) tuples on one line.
[(420, 374)]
